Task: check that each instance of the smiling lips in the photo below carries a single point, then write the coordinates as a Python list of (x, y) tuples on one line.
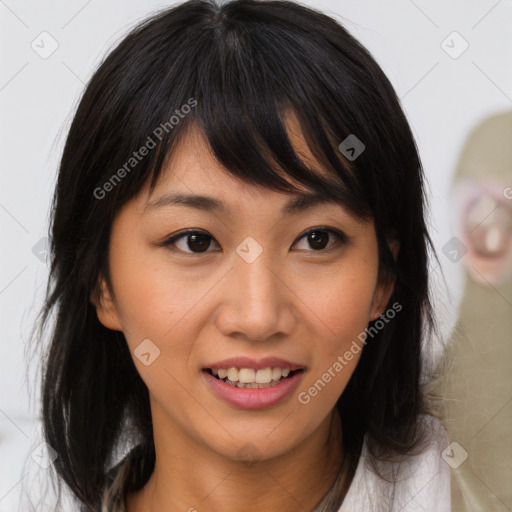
[(249, 384), (247, 373), (250, 378)]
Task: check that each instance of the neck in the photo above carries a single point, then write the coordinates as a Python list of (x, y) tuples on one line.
[(189, 477)]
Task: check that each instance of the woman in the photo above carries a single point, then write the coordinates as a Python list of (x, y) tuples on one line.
[(239, 272)]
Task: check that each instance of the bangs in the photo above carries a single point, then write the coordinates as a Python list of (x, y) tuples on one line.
[(249, 83)]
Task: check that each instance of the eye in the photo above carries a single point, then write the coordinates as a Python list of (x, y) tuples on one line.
[(197, 242), (191, 241), (318, 238)]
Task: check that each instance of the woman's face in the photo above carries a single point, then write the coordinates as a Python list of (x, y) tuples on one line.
[(252, 292)]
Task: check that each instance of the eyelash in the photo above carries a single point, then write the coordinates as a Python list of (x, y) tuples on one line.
[(339, 235)]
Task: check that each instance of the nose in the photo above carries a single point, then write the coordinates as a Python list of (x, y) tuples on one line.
[(256, 303)]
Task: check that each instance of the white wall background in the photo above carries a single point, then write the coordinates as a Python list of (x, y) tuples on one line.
[(443, 97)]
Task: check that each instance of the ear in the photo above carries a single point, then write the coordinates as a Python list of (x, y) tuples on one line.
[(385, 285), (105, 306)]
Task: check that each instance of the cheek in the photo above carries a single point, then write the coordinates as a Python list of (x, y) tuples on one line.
[(158, 311), (151, 295), (343, 301), (155, 302), (344, 308)]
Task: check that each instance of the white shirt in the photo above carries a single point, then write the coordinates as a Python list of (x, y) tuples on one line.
[(423, 482)]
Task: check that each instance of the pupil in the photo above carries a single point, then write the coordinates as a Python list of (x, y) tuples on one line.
[(318, 239), (202, 241)]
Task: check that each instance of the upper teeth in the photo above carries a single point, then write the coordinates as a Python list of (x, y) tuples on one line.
[(250, 375)]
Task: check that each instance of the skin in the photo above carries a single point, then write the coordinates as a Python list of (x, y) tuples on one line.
[(293, 302)]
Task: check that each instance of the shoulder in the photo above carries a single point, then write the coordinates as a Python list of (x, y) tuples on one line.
[(418, 483)]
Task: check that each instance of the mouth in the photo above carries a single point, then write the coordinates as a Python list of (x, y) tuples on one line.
[(250, 378), (253, 385)]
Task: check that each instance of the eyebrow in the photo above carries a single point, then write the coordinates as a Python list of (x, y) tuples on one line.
[(298, 203)]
